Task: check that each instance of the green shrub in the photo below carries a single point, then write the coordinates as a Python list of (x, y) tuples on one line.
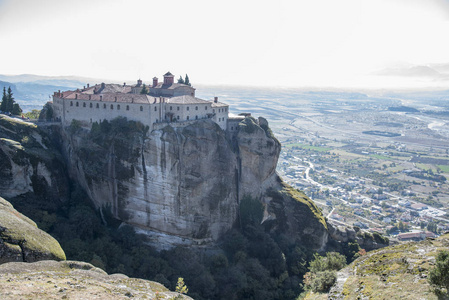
[(439, 275), (320, 282), (332, 261)]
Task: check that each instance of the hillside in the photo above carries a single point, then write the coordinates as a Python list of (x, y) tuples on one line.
[(395, 272)]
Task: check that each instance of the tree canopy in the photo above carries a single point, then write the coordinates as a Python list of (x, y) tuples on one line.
[(8, 104)]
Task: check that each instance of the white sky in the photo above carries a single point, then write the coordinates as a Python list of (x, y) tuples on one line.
[(314, 43)]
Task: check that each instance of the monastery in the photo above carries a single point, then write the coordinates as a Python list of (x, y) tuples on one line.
[(165, 102)]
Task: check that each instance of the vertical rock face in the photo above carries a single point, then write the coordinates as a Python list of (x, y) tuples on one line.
[(29, 163), (183, 184)]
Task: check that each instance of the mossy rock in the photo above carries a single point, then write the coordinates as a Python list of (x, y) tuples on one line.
[(21, 240), (74, 280)]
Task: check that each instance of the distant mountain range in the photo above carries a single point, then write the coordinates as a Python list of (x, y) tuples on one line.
[(33, 91)]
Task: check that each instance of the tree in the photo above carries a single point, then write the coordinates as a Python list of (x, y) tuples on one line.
[(16, 110), (439, 276), (144, 90), (180, 80), (8, 104), (4, 101), (187, 81)]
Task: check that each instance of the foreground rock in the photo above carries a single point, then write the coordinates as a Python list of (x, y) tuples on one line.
[(74, 280), (21, 240), (395, 272)]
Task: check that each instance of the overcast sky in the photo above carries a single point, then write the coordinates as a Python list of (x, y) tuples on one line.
[(314, 43)]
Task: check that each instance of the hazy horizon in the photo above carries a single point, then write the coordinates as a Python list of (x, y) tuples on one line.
[(350, 44)]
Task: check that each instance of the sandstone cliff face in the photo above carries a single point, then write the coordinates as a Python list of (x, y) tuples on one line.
[(22, 241), (29, 163), (182, 185)]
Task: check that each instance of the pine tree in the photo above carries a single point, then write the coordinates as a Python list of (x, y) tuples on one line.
[(4, 101), (180, 80), (10, 102), (187, 81)]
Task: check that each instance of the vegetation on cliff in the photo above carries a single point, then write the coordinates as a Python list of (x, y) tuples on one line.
[(403, 271), (254, 260)]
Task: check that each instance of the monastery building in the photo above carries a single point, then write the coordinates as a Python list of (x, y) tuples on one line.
[(165, 102)]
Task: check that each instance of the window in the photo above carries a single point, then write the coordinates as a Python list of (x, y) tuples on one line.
[(187, 108), (205, 108), (178, 107), (98, 105), (104, 105), (155, 108), (196, 107), (171, 108), (71, 103), (112, 106), (177, 117), (118, 106), (77, 104), (187, 117), (127, 107), (232, 128), (213, 111), (84, 104), (90, 105), (141, 108), (196, 117)]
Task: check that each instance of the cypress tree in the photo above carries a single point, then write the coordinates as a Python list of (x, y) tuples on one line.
[(187, 81), (10, 103), (180, 80), (144, 89), (4, 101)]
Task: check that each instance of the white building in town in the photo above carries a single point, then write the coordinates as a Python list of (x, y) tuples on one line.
[(165, 102)]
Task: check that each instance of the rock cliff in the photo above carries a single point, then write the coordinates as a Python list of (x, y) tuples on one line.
[(29, 163), (183, 184), (22, 241), (74, 280)]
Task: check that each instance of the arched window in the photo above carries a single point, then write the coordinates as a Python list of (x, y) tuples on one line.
[(118, 106), (84, 104), (141, 108), (171, 108), (187, 108), (112, 106), (155, 108), (90, 105), (205, 108), (98, 105), (187, 117), (177, 117), (196, 107), (71, 103), (178, 108), (196, 117), (77, 104), (127, 107), (104, 105)]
